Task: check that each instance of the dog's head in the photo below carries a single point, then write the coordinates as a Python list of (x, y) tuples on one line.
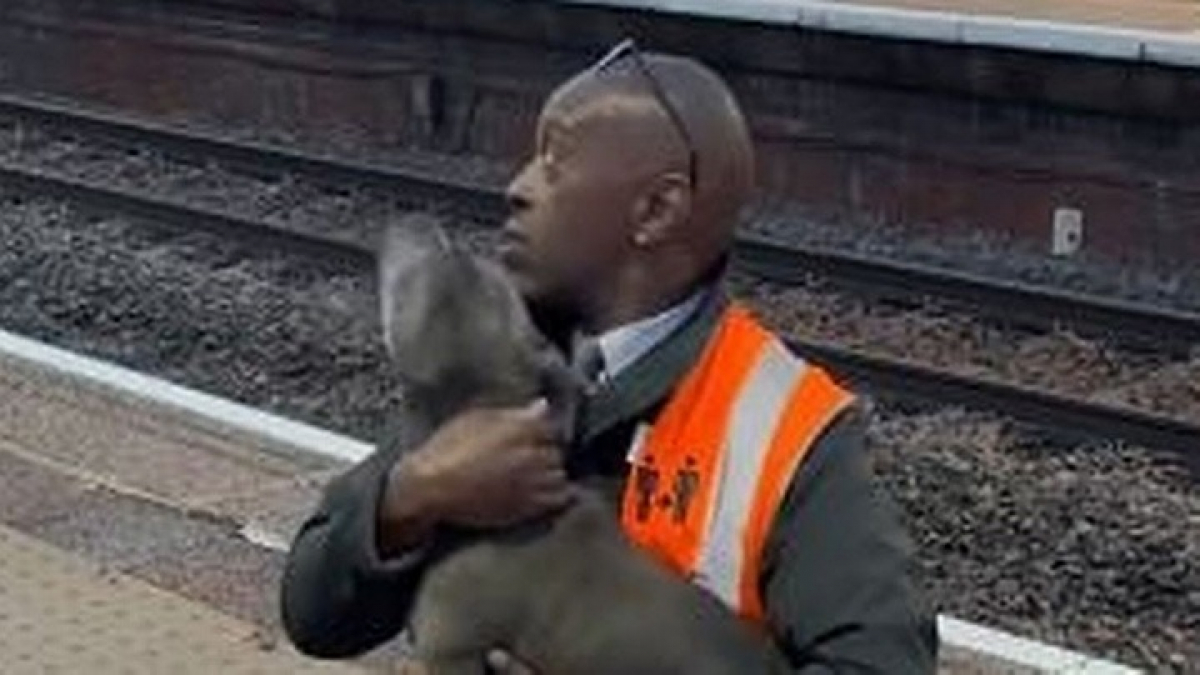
[(456, 328)]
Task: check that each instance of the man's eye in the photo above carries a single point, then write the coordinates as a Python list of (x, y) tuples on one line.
[(550, 162)]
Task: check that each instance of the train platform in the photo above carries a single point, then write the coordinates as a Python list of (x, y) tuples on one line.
[(142, 528), (1164, 32), (1180, 17), (128, 532), (61, 614)]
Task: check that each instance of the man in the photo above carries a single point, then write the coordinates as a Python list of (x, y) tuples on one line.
[(726, 457)]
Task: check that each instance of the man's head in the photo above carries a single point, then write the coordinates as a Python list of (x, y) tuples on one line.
[(641, 167)]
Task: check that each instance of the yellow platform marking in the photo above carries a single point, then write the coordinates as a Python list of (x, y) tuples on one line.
[(59, 614)]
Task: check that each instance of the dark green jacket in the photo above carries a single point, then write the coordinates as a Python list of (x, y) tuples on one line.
[(835, 578)]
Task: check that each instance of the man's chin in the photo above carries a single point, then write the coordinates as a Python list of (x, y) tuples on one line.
[(520, 277), (556, 320), (550, 311)]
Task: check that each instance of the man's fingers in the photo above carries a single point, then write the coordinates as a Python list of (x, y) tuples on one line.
[(548, 478), (536, 502), (538, 457), (409, 667), (536, 408), (501, 662), (533, 415), (555, 497), (533, 423)]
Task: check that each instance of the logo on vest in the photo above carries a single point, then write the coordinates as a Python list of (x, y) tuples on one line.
[(646, 483), (678, 500)]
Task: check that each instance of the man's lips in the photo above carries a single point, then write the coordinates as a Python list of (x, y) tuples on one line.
[(511, 256), (513, 248)]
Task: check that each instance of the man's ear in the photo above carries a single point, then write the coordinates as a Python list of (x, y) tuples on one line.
[(661, 210)]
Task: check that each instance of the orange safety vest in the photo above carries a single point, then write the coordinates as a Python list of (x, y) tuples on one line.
[(707, 478)]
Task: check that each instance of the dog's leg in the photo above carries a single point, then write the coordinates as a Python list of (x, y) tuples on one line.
[(467, 605)]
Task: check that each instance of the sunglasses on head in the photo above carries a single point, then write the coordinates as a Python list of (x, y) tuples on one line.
[(628, 48)]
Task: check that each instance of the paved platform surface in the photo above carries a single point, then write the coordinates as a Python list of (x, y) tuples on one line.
[(121, 545), (60, 614), (1163, 32), (1169, 16)]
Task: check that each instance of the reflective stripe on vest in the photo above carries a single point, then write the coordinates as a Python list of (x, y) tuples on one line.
[(708, 477)]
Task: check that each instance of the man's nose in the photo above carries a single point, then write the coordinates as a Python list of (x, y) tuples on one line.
[(518, 194)]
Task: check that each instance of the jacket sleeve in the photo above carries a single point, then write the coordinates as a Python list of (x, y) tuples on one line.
[(836, 580), (338, 597)]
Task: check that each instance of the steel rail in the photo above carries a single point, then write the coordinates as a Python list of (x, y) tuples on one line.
[(1008, 300), (786, 263), (459, 197), (1069, 414), (181, 217), (877, 373)]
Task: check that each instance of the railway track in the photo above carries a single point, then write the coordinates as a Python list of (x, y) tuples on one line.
[(1010, 301), (881, 374)]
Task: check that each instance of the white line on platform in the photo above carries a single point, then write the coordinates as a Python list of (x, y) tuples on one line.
[(1181, 48), (320, 442), (161, 392), (263, 538), (1021, 651)]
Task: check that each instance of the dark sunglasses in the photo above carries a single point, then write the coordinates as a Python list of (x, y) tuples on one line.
[(629, 48)]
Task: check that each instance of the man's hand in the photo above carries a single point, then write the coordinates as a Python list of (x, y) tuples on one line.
[(412, 667), (484, 468), (501, 662), (494, 468)]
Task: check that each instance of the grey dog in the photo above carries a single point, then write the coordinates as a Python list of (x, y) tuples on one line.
[(566, 593)]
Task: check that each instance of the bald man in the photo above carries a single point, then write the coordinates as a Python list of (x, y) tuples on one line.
[(726, 457)]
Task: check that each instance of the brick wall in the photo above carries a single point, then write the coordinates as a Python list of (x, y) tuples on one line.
[(872, 131)]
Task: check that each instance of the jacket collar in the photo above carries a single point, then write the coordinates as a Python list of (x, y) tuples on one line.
[(625, 345), (652, 377)]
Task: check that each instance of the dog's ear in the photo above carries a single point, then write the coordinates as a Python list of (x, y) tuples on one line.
[(409, 240), (403, 247)]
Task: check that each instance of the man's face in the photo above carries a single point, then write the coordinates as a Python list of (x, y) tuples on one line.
[(569, 204)]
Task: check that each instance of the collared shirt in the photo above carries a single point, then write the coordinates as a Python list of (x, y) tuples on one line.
[(624, 345)]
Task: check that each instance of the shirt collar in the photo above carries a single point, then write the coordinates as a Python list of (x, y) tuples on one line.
[(623, 345)]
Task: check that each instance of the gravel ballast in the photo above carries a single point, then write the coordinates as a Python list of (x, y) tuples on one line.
[(932, 334)]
